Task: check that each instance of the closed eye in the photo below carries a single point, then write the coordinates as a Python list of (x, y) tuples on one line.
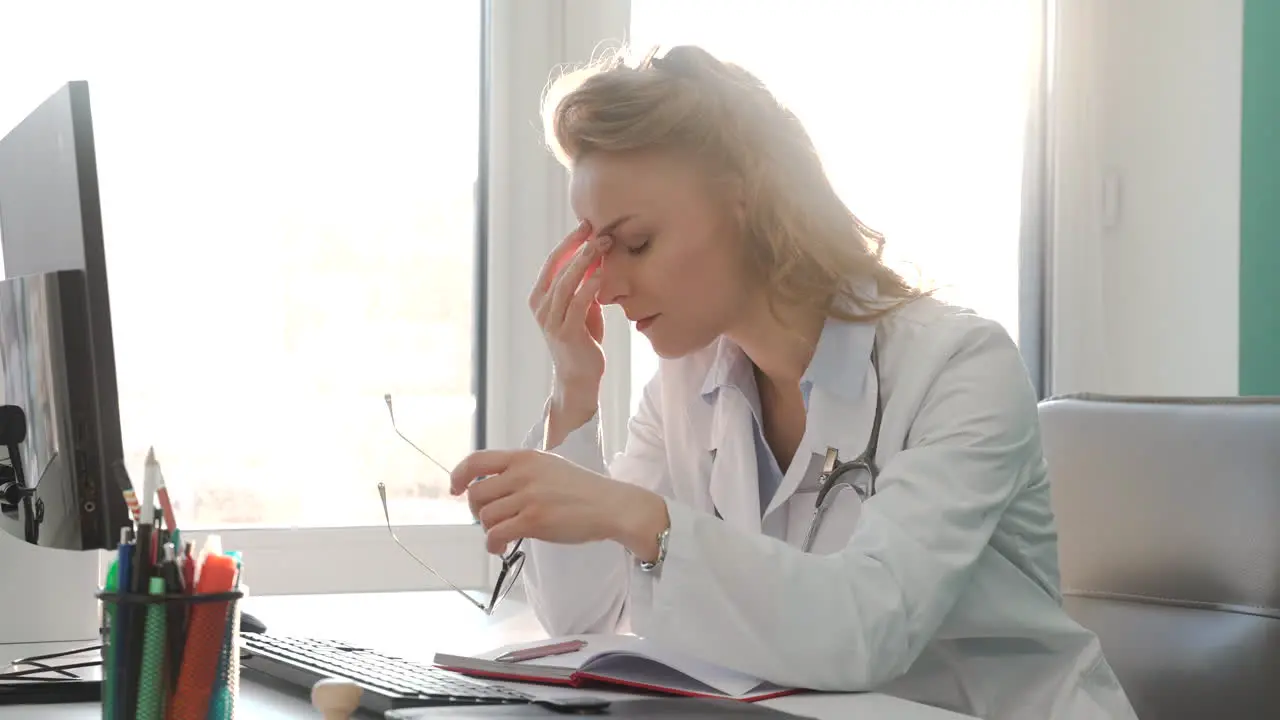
[(638, 245)]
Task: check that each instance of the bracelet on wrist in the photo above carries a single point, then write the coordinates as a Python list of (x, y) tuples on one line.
[(647, 566)]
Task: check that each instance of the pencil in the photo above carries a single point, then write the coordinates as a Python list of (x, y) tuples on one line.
[(126, 488), (162, 494)]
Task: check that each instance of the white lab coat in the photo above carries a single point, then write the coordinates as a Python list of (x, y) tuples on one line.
[(941, 588)]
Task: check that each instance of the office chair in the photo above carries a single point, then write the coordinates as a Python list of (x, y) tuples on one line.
[(1168, 514)]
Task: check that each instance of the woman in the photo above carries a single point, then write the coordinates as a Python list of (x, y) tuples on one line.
[(784, 340)]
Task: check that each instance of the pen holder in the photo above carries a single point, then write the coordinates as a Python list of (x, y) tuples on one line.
[(170, 657)]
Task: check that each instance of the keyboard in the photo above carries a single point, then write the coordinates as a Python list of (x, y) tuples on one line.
[(389, 683)]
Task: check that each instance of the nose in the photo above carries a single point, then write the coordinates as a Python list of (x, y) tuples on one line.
[(614, 284)]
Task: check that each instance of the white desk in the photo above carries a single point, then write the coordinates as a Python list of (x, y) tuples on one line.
[(415, 626)]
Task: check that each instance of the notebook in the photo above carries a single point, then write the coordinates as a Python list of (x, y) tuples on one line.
[(668, 708), (619, 660)]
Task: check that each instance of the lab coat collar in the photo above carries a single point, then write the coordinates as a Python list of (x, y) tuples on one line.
[(730, 368), (842, 380), (838, 364), (840, 420), (734, 484), (841, 358)]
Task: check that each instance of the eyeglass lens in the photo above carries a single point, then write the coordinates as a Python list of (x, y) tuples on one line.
[(511, 566)]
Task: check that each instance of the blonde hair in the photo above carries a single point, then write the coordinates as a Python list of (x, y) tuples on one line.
[(809, 249)]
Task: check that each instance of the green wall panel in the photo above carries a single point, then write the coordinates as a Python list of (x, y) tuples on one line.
[(1260, 201)]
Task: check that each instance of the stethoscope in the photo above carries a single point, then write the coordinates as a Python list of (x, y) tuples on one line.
[(836, 475)]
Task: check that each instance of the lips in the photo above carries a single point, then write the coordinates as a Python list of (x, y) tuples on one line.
[(644, 323)]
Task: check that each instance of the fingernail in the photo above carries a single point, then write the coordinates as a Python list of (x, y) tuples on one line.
[(606, 242)]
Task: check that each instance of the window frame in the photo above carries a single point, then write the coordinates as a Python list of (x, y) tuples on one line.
[(1035, 261), (529, 212)]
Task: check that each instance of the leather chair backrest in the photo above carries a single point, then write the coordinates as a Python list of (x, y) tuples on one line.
[(1168, 515)]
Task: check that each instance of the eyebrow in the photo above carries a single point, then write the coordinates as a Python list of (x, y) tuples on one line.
[(613, 226)]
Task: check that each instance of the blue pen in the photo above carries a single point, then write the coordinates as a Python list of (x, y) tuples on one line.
[(119, 632)]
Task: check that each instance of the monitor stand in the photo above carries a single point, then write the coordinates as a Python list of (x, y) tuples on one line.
[(46, 594)]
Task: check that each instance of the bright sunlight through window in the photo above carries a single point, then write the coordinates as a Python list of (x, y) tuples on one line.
[(917, 108), (288, 207)]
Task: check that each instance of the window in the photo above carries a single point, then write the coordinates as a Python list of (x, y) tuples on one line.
[(289, 208), (289, 201), (918, 109)]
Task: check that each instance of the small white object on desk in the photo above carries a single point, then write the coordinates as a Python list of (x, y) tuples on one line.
[(336, 699)]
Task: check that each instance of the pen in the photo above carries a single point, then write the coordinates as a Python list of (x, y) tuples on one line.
[(120, 632), (159, 536), (141, 582), (151, 681), (176, 620), (541, 651), (221, 703), (188, 567)]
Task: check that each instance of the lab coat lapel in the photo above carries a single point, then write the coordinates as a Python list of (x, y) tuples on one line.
[(839, 420), (735, 479)]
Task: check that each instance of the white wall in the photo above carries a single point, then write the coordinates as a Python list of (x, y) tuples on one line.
[(47, 595), (1145, 289)]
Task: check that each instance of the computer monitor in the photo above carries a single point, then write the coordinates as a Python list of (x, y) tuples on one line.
[(55, 334)]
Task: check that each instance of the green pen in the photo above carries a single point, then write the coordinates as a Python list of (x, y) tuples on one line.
[(151, 681)]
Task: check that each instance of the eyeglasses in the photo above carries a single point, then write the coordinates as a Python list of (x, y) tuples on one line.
[(34, 669), (512, 559)]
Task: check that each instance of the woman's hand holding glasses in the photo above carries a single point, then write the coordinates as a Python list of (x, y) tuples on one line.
[(536, 495)]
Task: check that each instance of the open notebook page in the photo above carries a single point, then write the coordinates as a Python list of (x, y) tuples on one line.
[(596, 644), (614, 656), (682, 673)]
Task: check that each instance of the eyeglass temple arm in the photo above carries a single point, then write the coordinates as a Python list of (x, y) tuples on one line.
[(382, 493), (391, 411), (38, 669), (53, 656)]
